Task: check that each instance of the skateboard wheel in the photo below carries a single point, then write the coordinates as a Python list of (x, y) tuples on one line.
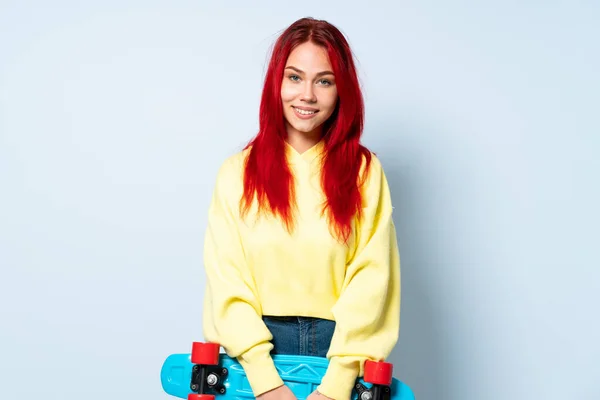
[(378, 372), (194, 396), (205, 354)]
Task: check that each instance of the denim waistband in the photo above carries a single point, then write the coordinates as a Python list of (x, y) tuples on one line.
[(305, 336)]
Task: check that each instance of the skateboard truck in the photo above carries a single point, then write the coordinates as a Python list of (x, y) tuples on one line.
[(378, 373), (376, 392), (206, 373)]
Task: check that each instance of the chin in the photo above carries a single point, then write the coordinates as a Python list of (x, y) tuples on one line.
[(305, 129)]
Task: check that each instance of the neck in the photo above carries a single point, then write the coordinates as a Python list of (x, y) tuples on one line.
[(301, 141)]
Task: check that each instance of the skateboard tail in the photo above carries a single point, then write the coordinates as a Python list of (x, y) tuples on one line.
[(176, 374)]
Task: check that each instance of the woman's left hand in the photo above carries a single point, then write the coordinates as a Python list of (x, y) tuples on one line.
[(318, 396)]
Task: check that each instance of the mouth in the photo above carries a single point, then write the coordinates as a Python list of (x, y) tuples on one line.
[(305, 112)]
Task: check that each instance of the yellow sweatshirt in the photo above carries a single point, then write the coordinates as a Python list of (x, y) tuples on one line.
[(254, 267)]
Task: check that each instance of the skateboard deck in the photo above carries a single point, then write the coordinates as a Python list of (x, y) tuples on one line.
[(226, 380)]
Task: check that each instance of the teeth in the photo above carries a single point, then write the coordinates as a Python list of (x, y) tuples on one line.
[(303, 112)]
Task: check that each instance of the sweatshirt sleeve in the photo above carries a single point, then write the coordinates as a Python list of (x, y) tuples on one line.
[(232, 313), (367, 313)]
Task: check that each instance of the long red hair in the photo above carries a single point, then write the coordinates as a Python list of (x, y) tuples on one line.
[(267, 176)]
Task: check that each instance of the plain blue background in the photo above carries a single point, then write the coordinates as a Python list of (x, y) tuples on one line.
[(115, 116)]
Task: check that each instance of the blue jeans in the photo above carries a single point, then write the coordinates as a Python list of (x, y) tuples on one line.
[(304, 336)]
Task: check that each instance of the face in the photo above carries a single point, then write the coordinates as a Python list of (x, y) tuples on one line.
[(308, 91)]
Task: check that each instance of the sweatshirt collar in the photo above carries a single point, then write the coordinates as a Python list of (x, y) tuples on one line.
[(307, 156)]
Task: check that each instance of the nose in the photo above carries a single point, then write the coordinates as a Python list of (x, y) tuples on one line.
[(308, 94)]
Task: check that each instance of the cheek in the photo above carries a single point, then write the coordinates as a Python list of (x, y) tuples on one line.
[(288, 93), (331, 100)]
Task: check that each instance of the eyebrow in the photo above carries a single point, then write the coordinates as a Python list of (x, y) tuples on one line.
[(301, 72)]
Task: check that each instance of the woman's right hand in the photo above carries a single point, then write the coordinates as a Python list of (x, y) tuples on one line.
[(279, 393)]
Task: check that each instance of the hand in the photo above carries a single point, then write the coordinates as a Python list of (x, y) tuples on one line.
[(279, 393), (318, 396)]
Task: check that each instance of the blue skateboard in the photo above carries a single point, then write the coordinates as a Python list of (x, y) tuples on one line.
[(207, 374)]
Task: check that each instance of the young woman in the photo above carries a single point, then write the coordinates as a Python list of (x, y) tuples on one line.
[(300, 250)]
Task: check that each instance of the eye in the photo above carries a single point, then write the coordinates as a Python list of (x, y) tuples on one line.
[(294, 77), (325, 82)]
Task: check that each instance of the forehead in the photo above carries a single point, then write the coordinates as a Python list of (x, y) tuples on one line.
[(308, 56)]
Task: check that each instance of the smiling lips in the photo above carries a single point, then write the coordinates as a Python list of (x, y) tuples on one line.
[(305, 112)]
